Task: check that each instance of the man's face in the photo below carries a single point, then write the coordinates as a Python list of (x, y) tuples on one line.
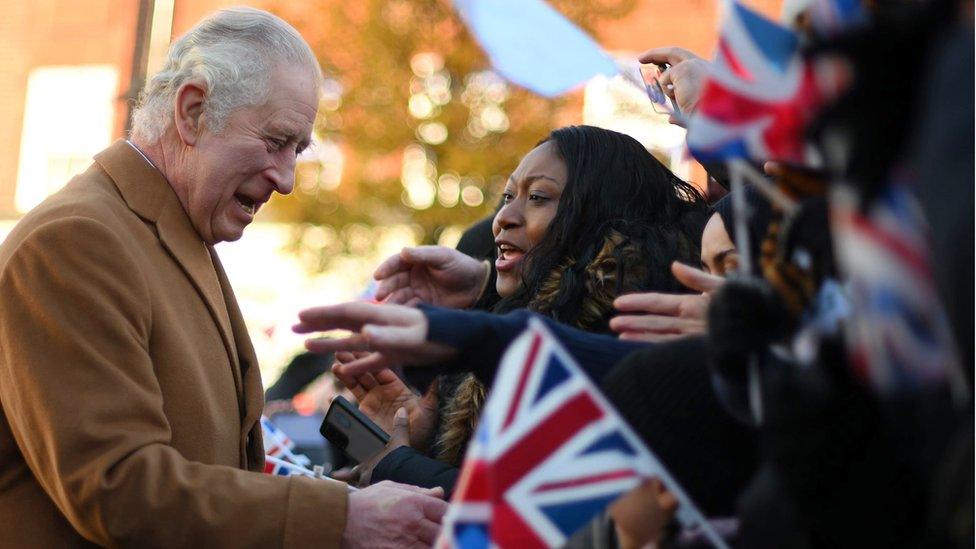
[(229, 176)]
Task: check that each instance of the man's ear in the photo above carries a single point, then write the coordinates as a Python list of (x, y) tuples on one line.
[(189, 112)]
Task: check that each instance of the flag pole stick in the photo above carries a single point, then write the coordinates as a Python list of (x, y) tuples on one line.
[(770, 191), (741, 214)]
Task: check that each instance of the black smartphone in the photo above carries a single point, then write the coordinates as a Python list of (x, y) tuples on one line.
[(352, 432)]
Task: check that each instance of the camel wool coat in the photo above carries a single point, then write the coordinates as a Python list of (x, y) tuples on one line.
[(130, 395)]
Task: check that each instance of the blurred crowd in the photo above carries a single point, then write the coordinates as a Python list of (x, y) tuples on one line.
[(794, 403)]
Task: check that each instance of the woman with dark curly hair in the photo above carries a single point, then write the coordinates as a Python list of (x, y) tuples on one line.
[(588, 215)]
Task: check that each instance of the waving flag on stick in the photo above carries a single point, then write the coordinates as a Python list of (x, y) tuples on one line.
[(760, 95), (549, 454), (278, 445), (899, 339)]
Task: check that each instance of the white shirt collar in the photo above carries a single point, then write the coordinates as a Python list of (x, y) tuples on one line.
[(142, 154)]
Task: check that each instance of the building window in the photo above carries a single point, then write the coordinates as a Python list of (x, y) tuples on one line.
[(69, 116)]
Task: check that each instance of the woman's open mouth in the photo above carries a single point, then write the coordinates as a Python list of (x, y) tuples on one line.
[(508, 256)]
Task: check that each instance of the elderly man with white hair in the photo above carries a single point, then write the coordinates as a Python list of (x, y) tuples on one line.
[(130, 395)]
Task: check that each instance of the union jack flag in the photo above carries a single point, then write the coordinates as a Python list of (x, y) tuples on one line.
[(277, 466), (760, 94), (831, 17), (899, 338), (278, 445), (550, 453)]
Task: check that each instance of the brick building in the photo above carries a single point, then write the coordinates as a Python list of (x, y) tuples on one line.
[(66, 73)]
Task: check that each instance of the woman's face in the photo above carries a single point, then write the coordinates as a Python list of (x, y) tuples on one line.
[(529, 204), (718, 254)]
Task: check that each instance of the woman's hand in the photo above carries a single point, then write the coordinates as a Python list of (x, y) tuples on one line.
[(431, 274), (381, 394), (660, 317), (396, 335), (641, 515), (361, 475)]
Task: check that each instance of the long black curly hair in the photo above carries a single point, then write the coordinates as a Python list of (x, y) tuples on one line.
[(621, 210)]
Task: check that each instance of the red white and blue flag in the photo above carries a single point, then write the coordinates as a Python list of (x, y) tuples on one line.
[(550, 453), (278, 466), (277, 444), (831, 17), (899, 337), (760, 94)]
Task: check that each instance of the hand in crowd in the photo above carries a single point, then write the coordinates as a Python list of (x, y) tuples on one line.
[(361, 475), (431, 274), (641, 515), (659, 317), (381, 394), (684, 81), (397, 334), (392, 515)]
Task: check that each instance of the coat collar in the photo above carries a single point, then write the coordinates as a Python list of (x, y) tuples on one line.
[(147, 193)]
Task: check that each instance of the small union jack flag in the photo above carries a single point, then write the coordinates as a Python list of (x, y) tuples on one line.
[(899, 337), (278, 445), (760, 94), (550, 453), (277, 466)]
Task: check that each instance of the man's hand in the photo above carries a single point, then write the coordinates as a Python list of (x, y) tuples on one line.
[(381, 394), (392, 515), (431, 274), (667, 316), (397, 334), (684, 81)]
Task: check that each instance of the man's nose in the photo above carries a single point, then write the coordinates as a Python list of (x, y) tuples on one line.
[(282, 173)]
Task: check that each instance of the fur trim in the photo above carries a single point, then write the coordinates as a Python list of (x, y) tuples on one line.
[(460, 419)]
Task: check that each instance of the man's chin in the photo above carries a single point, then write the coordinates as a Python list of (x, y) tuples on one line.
[(228, 234)]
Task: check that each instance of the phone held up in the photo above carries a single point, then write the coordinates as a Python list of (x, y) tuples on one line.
[(351, 431)]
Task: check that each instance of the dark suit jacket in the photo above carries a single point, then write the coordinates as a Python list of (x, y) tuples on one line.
[(129, 390)]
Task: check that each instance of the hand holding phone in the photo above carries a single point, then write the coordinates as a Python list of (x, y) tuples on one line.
[(352, 432)]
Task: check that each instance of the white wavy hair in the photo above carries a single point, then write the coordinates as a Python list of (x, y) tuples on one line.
[(232, 54)]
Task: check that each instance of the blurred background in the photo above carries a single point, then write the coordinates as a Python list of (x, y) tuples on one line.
[(414, 138)]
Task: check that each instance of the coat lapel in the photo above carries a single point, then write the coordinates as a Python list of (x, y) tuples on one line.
[(252, 445), (151, 197)]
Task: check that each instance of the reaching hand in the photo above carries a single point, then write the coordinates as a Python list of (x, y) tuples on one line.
[(431, 274), (381, 394), (641, 515), (392, 515), (397, 334), (661, 317), (685, 80)]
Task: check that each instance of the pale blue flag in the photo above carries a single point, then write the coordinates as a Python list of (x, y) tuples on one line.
[(533, 45)]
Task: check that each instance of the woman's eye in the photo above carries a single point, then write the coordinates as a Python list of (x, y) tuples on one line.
[(731, 263), (537, 197), (507, 197)]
